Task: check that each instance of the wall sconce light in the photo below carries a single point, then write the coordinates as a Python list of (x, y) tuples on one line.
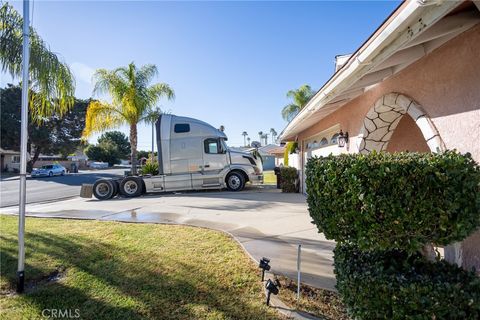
[(264, 265), (271, 288), (342, 139)]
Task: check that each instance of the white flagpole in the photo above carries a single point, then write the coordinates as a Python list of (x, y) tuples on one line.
[(23, 149)]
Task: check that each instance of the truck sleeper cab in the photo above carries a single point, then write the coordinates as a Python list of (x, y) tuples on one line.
[(192, 155)]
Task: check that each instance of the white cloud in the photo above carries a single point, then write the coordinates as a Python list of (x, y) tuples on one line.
[(82, 72)]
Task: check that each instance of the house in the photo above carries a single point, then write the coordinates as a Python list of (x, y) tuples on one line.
[(9, 160), (413, 85)]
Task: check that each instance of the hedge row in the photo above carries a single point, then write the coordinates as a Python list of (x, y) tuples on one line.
[(289, 179), (394, 285), (394, 201)]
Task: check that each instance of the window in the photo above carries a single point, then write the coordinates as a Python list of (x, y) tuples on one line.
[(16, 159), (334, 139), (181, 127), (323, 142), (212, 146)]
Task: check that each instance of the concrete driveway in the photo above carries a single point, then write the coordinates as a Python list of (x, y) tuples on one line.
[(265, 221)]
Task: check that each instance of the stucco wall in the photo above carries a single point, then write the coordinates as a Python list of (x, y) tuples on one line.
[(407, 137), (445, 83)]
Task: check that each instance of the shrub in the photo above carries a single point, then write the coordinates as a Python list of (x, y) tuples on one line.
[(394, 201), (289, 179), (150, 168), (393, 285)]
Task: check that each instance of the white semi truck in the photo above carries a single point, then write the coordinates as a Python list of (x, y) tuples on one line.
[(192, 155)]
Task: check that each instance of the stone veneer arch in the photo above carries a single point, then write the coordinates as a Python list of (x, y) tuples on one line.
[(384, 116)]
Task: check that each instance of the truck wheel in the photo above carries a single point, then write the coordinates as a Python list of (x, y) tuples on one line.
[(116, 187), (103, 189), (131, 187), (235, 181)]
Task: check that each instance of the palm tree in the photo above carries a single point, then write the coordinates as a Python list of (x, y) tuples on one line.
[(132, 101), (260, 135), (248, 140), (300, 98), (274, 134), (52, 84), (152, 117), (265, 138), (244, 134)]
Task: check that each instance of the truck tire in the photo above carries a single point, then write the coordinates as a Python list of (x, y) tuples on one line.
[(103, 189), (131, 187), (116, 187), (235, 181)]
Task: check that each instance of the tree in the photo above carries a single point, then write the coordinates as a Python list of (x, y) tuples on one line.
[(265, 138), (56, 134), (51, 82), (260, 135), (244, 134), (105, 151), (274, 134), (248, 141), (300, 98), (120, 140), (132, 101)]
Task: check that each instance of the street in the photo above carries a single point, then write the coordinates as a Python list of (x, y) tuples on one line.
[(51, 188)]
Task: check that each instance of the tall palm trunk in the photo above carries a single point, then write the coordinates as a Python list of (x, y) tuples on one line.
[(133, 146)]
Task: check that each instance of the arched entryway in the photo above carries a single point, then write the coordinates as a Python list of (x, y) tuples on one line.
[(383, 118)]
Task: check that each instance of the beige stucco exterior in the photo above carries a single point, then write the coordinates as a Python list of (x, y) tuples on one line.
[(445, 83), (445, 86)]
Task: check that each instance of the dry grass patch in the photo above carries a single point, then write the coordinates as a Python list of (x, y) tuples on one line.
[(322, 303)]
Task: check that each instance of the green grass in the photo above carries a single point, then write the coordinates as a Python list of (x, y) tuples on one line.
[(269, 177), (128, 271)]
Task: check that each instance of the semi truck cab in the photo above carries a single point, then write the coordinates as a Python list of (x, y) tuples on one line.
[(192, 155)]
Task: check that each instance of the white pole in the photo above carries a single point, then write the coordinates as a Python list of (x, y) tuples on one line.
[(23, 149), (153, 141), (298, 271)]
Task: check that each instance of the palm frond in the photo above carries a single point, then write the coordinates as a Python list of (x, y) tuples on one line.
[(101, 116), (50, 77), (152, 115), (290, 111)]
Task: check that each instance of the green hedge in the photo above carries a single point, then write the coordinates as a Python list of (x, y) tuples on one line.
[(289, 179), (394, 201), (393, 285)]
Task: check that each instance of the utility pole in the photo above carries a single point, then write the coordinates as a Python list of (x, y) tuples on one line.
[(153, 141), (23, 149)]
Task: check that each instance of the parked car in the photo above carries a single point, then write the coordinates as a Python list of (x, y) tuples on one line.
[(98, 165), (49, 170)]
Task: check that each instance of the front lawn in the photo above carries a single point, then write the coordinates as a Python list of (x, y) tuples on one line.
[(109, 270)]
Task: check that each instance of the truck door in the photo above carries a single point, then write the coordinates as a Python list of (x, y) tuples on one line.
[(215, 157)]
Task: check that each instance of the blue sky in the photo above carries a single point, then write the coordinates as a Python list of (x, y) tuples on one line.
[(230, 63)]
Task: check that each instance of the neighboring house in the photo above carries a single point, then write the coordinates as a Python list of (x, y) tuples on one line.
[(269, 153), (272, 155), (9, 160), (413, 85)]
